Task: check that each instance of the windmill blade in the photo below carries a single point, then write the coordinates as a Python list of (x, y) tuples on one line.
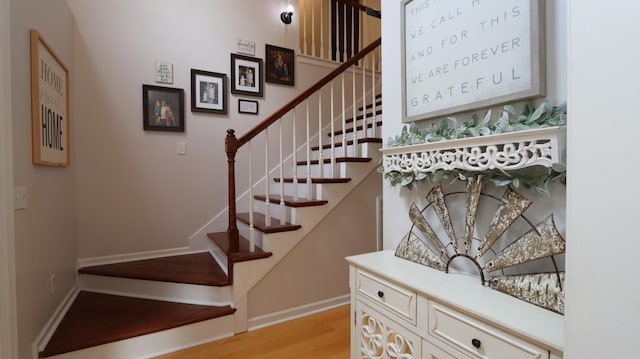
[(437, 197), (511, 207), (419, 221), (541, 289), (413, 249), (530, 246), (474, 188)]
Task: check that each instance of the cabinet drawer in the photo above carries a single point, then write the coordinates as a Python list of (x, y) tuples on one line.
[(397, 300), (478, 339)]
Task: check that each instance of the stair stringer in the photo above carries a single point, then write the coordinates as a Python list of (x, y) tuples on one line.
[(248, 274)]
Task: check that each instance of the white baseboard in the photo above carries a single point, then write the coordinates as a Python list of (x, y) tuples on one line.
[(52, 324), (126, 257), (297, 312)]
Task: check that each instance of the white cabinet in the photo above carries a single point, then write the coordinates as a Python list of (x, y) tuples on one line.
[(405, 310)]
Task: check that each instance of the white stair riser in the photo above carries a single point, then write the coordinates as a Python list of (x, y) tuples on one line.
[(340, 170), (289, 212), (167, 291)]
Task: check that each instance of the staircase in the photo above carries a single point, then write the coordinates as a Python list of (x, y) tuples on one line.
[(151, 306)]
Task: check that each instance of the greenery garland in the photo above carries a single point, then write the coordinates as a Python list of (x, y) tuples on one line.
[(536, 178)]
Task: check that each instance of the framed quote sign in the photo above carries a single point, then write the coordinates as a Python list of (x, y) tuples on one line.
[(461, 55), (49, 105)]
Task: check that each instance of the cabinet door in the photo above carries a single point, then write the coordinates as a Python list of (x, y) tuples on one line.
[(378, 337)]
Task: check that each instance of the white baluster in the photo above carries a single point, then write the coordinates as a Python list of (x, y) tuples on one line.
[(354, 122), (364, 99), (332, 137), (267, 211), (295, 159), (320, 158), (282, 206), (308, 156), (252, 236), (373, 94)]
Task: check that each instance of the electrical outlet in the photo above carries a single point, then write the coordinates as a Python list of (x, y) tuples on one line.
[(52, 281)]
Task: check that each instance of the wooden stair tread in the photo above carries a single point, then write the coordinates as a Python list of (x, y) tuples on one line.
[(349, 142), (366, 115), (259, 223), (221, 239), (315, 180), (195, 268), (370, 105), (338, 160), (358, 128), (95, 319), (289, 201)]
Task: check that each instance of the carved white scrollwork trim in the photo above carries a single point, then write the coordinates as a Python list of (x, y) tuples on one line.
[(380, 341), (507, 151)]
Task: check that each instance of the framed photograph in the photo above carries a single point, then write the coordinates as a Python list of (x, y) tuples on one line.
[(248, 106), (280, 65), (208, 92), (162, 108), (451, 67), (246, 75), (49, 105)]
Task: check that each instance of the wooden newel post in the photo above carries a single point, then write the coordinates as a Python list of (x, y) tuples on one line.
[(231, 148)]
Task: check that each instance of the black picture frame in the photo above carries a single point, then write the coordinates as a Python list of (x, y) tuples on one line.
[(246, 75), (208, 92), (154, 100), (279, 65), (248, 106)]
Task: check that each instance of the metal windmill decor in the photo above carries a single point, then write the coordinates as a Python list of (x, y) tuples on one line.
[(423, 244)]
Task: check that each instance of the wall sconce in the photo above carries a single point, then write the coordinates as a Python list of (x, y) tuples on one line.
[(286, 15)]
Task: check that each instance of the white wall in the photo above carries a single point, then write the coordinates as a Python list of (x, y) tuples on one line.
[(603, 290), (45, 236), (315, 270), (134, 192)]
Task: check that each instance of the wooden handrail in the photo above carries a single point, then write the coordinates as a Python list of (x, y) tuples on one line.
[(303, 96)]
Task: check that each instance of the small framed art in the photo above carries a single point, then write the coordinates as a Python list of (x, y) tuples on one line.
[(280, 65), (246, 75), (208, 92), (248, 106), (162, 108)]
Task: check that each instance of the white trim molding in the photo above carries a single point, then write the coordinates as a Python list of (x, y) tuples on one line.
[(297, 312), (8, 311), (506, 151)]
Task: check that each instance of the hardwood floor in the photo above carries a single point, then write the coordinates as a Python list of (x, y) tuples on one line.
[(323, 336)]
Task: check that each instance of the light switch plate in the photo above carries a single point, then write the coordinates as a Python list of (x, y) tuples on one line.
[(182, 148), (19, 198)]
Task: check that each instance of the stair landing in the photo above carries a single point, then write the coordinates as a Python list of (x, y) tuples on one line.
[(196, 268), (95, 319)]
